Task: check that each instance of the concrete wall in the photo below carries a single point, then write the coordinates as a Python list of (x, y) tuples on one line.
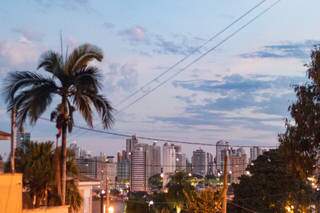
[(55, 209), (11, 193), (11, 197)]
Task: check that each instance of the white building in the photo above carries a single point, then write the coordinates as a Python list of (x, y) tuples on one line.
[(169, 158), (255, 151)]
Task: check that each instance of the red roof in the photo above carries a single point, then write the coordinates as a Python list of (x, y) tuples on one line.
[(4, 135)]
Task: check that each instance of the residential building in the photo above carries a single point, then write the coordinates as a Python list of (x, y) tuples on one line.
[(221, 146), (199, 162), (153, 160), (181, 162), (255, 151), (169, 158), (238, 164), (138, 180), (130, 145), (123, 168), (211, 167)]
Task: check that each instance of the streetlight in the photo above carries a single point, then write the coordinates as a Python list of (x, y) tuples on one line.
[(110, 209), (189, 174)]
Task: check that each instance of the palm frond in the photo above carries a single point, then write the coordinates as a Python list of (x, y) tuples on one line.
[(81, 56), (32, 102), (52, 62), (82, 103), (103, 108), (88, 77), (19, 81)]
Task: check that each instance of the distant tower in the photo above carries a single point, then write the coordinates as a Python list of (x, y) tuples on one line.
[(221, 147), (255, 151), (138, 169), (199, 162), (169, 158)]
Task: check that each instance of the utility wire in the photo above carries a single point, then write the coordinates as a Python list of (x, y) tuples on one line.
[(153, 139), (200, 57), (195, 50)]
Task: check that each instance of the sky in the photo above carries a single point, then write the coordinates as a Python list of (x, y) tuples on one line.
[(240, 92)]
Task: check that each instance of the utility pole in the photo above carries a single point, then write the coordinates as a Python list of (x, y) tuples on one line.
[(225, 185), (13, 139)]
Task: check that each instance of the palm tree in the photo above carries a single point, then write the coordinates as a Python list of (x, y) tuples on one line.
[(74, 80)]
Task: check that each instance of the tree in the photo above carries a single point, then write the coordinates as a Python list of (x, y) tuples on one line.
[(301, 140), (74, 80), (207, 200), (271, 186), (36, 162), (179, 186), (155, 182)]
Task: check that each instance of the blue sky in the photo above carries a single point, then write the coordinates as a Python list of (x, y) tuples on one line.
[(240, 92)]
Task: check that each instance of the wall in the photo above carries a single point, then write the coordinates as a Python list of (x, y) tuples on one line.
[(56, 209), (11, 193)]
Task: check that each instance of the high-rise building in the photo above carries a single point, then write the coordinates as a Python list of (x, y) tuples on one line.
[(211, 167), (123, 168), (22, 137), (138, 180), (255, 151), (130, 145), (238, 164), (181, 162), (153, 160), (199, 162), (221, 146), (76, 149), (169, 158)]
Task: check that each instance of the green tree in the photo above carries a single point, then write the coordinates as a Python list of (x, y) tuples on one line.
[(301, 140), (155, 182), (179, 186), (74, 80), (207, 200), (271, 186), (36, 162)]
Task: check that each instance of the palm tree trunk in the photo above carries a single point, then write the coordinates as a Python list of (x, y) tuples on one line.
[(57, 165), (64, 164)]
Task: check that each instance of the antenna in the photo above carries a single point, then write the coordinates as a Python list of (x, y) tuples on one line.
[(61, 44)]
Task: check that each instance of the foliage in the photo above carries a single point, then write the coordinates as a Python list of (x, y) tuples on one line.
[(271, 186), (137, 202), (74, 81), (155, 182), (36, 162), (301, 140), (207, 200), (178, 187)]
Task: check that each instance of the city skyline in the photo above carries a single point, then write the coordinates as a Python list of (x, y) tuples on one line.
[(243, 100)]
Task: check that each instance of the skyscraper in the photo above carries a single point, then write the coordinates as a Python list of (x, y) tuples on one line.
[(123, 167), (255, 151), (130, 144), (199, 162), (238, 164), (211, 168), (138, 180), (221, 146), (181, 161), (169, 158), (153, 160)]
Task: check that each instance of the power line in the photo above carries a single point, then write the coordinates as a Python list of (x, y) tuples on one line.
[(201, 56), (155, 139), (195, 50)]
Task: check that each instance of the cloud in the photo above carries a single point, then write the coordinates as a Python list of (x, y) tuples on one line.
[(28, 34), (20, 54), (120, 77), (136, 34), (67, 5), (300, 50), (153, 43), (251, 101)]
